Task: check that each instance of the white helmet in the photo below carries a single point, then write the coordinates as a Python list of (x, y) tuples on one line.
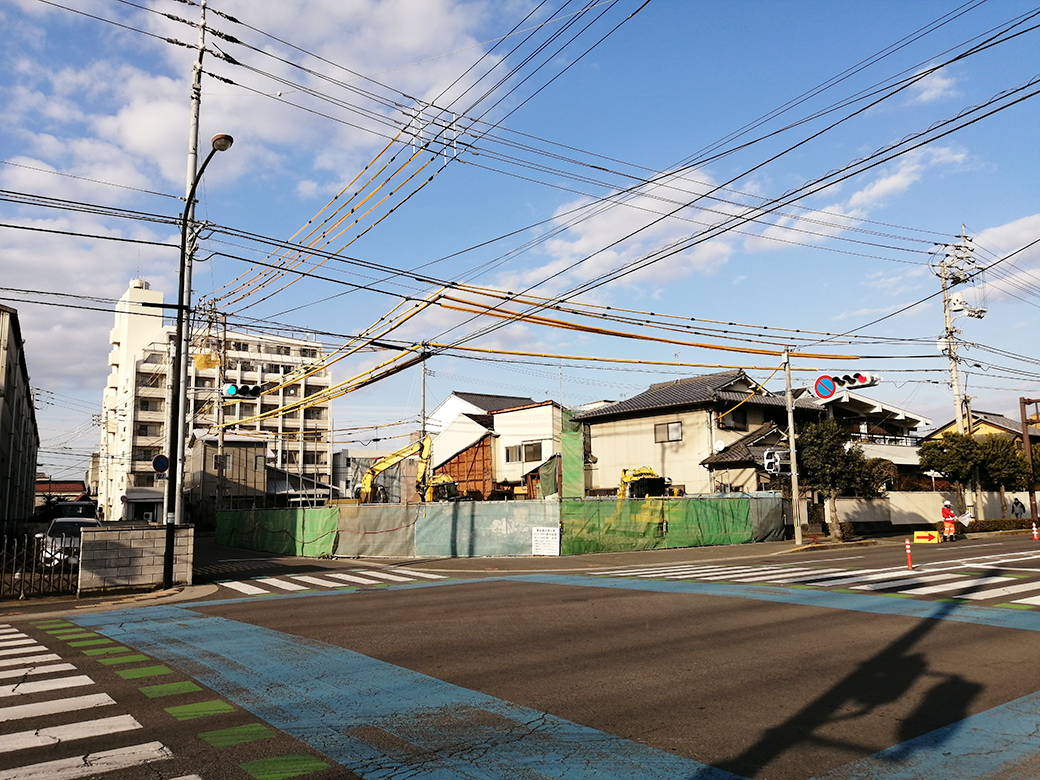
[(946, 503)]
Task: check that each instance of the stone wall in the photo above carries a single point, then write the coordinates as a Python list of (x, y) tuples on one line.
[(131, 557)]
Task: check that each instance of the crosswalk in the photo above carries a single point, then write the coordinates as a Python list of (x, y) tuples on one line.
[(34, 687), (978, 578), (295, 583)]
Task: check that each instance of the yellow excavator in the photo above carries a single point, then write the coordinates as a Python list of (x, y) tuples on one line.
[(437, 488), (640, 483)]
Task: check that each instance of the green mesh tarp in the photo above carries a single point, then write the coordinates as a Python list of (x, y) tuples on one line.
[(702, 522), (573, 454), (303, 532), (547, 478), (614, 526)]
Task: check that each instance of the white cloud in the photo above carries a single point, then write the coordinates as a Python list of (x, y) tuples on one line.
[(937, 86)]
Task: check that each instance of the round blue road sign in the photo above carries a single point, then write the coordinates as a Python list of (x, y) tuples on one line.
[(824, 387), (160, 463)]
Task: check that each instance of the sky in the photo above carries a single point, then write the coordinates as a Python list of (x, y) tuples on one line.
[(693, 175)]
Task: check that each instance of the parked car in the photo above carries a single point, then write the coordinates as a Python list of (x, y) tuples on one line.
[(61, 541)]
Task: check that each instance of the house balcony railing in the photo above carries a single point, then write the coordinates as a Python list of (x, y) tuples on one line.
[(887, 438)]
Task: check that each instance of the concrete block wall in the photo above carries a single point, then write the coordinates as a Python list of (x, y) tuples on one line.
[(132, 557)]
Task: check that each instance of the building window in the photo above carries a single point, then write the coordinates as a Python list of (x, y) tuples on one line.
[(220, 462), (736, 420), (533, 452), (148, 430), (668, 432), (144, 480), (149, 404), (513, 454), (314, 413), (308, 352), (145, 453)]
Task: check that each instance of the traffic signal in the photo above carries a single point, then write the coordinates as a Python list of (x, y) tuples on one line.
[(772, 461), (826, 386), (242, 391)]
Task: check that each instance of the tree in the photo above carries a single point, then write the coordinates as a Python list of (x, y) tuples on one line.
[(955, 457), (878, 474), (1003, 468), (827, 462)]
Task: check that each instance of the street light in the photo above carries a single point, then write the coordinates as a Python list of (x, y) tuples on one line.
[(178, 400)]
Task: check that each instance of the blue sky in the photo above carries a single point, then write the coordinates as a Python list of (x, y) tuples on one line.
[(578, 144)]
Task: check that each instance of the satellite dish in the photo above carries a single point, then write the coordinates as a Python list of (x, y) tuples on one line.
[(720, 445)]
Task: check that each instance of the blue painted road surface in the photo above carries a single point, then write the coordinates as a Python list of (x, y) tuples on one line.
[(383, 721)]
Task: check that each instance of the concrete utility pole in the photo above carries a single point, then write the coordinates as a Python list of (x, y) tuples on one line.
[(179, 380), (1027, 446), (796, 510)]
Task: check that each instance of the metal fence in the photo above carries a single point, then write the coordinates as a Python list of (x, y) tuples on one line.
[(31, 566)]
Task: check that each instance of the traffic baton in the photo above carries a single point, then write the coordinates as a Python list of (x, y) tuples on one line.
[(1035, 536), (909, 561)]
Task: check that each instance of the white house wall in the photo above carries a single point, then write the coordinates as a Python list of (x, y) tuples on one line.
[(459, 435), (628, 444), (525, 426)]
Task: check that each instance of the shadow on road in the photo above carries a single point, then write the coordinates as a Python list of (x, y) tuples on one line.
[(882, 679)]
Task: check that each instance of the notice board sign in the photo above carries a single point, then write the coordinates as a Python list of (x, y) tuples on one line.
[(545, 541)]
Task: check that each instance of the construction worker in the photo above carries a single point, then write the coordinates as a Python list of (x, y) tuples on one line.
[(949, 522)]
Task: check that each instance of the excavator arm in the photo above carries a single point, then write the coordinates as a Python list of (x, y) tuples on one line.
[(422, 448)]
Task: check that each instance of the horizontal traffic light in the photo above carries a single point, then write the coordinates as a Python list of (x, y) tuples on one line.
[(827, 385), (242, 391)]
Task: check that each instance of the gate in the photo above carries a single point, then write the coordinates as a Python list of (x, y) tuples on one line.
[(37, 567)]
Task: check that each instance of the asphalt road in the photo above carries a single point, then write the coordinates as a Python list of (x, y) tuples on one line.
[(751, 662)]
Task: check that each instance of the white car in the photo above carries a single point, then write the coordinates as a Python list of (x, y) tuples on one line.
[(60, 543)]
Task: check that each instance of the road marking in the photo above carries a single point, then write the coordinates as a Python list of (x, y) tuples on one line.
[(869, 577), (1032, 600), (17, 642), (352, 578), (23, 649), (274, 582), (242, 587), (422, 574), (725, 575), (40, 686), (29, 659), (26, 671), (801, 574), (761, 574), (385, 576), (887, 584), (846, 558), (91, 764), (318, 581), (55, 706), (996, 593), (959, 585), (48, 737), (783, 576)]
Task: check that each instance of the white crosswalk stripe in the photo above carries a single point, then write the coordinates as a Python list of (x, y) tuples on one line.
[(32, 659), (999, 593), (7, 674), (91, 764), (328, 579), (245, 587), (274, 582), (48, 737), (904, 581), (947, 577), (972, 582), (55, 706), (424, 575), (321, 583), (39, 686), (27, 648), (355, 579), (39, 677)]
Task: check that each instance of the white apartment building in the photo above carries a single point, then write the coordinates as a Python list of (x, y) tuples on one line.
[(139, 389)]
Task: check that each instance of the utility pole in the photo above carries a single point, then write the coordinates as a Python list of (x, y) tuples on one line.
[(174, 492), (796, 512), (1027, 446)]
